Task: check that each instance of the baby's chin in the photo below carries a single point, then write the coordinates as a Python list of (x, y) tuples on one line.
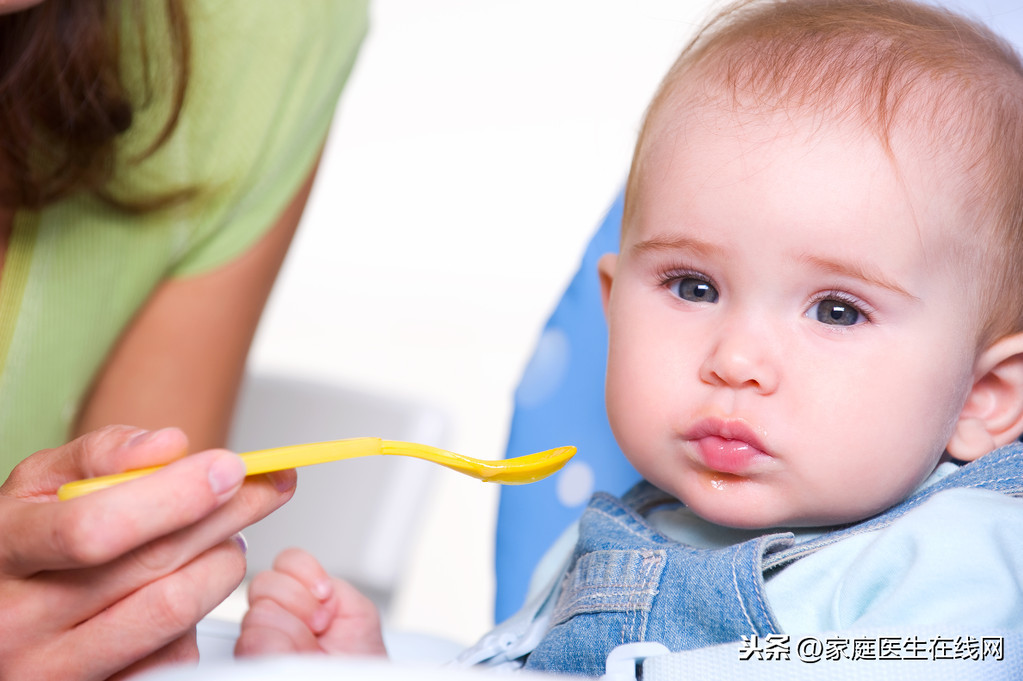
[(751, 515), (755, 503)]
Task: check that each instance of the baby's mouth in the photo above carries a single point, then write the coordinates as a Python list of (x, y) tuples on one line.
[(729, 447), (733, 456)]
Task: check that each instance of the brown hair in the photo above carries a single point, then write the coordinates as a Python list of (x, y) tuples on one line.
[(63, 100), (881, 62)]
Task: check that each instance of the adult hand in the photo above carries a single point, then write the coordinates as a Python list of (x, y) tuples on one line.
[(114, 582)]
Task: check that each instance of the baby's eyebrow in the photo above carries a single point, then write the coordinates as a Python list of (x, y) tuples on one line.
[(864, 272), (677, 243)]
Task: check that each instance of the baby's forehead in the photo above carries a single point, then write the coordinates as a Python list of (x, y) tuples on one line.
[(705, 132), (827, 164), (928, 123)]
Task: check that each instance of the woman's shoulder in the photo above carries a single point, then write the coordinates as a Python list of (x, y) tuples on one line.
[(263, 84)]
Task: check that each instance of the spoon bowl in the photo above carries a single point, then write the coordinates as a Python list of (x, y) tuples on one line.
[(520, 470)]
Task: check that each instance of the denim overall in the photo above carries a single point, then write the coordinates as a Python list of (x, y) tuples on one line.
[(627, 583)]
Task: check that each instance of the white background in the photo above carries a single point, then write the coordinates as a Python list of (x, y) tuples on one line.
[(475, 150)]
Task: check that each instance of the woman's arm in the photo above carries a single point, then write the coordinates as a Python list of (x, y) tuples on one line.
[(181, 361)]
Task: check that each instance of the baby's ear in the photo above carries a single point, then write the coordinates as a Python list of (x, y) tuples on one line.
[(993, 414), (606, 270)]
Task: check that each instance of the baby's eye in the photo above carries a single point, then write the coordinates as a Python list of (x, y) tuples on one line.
[(836, 312), (694, 290)]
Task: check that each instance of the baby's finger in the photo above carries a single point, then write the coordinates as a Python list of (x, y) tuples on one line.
[(306, 569), (291, 595), (269, 629), (353, 604)]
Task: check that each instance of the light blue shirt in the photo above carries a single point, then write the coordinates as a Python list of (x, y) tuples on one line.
[(888, 578), (884, 579)]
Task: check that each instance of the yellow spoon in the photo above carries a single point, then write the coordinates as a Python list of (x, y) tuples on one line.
[(517, 471)]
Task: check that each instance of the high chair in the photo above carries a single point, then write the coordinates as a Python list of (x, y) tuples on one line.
[(561, 399)]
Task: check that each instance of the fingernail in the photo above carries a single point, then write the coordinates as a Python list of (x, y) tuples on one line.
[(226, 473), (239, 539), (146, 436), (322, 589), (282, 480), (142, 436)]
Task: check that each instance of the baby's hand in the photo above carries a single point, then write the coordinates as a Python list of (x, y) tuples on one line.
[(298, 608)]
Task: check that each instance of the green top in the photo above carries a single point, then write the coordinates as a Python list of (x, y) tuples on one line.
[(264, 83)]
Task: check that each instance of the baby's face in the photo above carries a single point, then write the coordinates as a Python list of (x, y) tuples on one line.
[(792, 327)]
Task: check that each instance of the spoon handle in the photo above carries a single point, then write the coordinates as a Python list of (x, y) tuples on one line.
[(293, 456), (256, 462)]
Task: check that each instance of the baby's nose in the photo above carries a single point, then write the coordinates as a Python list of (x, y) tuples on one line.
[(741, 359)]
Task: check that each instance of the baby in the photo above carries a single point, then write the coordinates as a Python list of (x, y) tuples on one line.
[(815, 358)]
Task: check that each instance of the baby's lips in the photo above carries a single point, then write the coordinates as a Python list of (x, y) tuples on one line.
[(733, 456)]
